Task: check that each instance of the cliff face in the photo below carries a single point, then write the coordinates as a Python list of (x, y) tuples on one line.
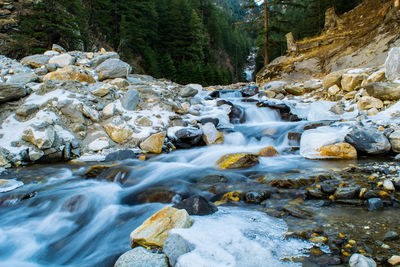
[(359, 38)]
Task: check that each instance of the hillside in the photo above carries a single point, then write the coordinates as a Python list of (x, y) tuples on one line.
[(361, 37)]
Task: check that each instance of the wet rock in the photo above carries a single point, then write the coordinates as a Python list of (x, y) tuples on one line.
[(175, 246), (154, 143), (249, 90), (141, 257), (96, 170), (4, 158), (197, 205), (10, 92), (211, 135), (155, 195), (35, 61), (187, 91), (367, 102), (41, 139), (214, 121), (23, 78), (328, 188), (315, 193), (388, 185), (350, 82), (318, 239), (392, 64), (394, 260), (27, 110), (358, 260), (238, 161), (374, 204), (394, 139), (113, 68), (213, 179), (74, 203), (117, 174), (121, 155), (35, 154), (338, 151), (131, 99), (391, 236), (69, 73), (154, 231), (384, 91), (62, 60), (347, 193), (188, 137), (256, 197), (237, 115), (284, 110), (118, 130), (269, 151), (368, 140), (332, 79)]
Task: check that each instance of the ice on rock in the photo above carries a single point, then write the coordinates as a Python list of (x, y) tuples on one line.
[(9, 185), (320, 110), (311, 140), (235, 237)]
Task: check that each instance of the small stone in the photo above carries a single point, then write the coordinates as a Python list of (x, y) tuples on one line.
[(368, 102), (102, 90), (388, 185), (26, 110), (211, 135), (118, 131), (58, 48), (347, 193), (121, 155), (238, 161), (358, 260), (197, 205), (269, 151), (141, 257), (99, 144), (318, 239), (154, 143), (109, 110), (333, 90), (332, 79), (188, 92), (375, 204), (391, 236), (394, 260), (91, 113), (62, 60), (131, 99), (143, 121)]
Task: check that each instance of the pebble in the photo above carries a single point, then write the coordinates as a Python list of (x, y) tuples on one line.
[(388, 185), (394, 260), (358, 260), (375, 204), (391, 236)]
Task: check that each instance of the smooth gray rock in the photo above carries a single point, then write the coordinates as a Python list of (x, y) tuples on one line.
[(384, 91), (175, 246), (113, 68), (188, 137), (141, 257), (188, 92), (26, 110), (23, 78), (131, 99), (392, 64), (347, 193), (100, 59), (197, 205), (58, 48), (35, 61), (368, 140), (358, 260), (375, 204), (9, 92)]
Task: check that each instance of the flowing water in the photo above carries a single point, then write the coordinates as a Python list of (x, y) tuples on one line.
[(71, 221)]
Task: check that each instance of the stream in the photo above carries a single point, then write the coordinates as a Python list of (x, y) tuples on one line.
[(59, 218)]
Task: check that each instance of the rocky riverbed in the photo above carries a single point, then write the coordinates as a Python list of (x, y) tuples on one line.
[(289, 172)]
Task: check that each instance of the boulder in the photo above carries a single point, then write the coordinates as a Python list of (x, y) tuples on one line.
[(376, 77), (101, 90), (197, 205), (384, 91), (141, 257), (118, 130), (58, 48), (175, 246), (69, 73), (368, 140), (100, 59), (374, 204), (131, 99), (333, 90), (154, 231), (121, 155), (295, 89), (188, 91), (394, 139), (358, 260), (332, 79), (41, 139), (10, 92), (238, 161), (211, 135), (188, 137), (26, 110), (392, 64), (237, 115), (154, 143), (35, 61), (350, 82), (62, 60), (23, 78), (338, 151), (99, 144), (394, 260), (269, 151), (368, 102), (249, 90), (113, 68)]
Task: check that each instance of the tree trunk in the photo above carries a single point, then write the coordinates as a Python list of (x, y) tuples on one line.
[(266, 57)]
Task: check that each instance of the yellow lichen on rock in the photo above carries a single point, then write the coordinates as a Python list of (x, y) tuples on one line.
[(238, 161), (338, 151), (269, 151), (228, 197)]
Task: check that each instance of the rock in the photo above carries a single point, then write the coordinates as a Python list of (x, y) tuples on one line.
[(62, 60), (116, 174), (333, 90), (96, 170), (211, 135), (394, 139), (249, 90), (237, 115), (338, 151), (238, 161), (391, 236), (41, 139), (214, 121), (10, 92), (295, 89), (350, 82), (69, 73), (121, 155), (109, 110), (372, 112), (392, 64), (383, 91), (23, 78), (154, 230), (187, 92), (374, 204), (100, 59), (131, 99), (154, 143), (388, 185), (318, 239), (367, 102), (99, 144), (347, 193), (102, 90), (175, 246), (332, 79), (35, 154), (91, 113), (4, 158), (144, 122), (141, 257), (368, 140), (269, 151), (113, 68), (197, 205), (188, 137), (394, 260), (73, 113), (358, 260), (120, 83), (118, 130), (58, 48), (256, 197), (376, 77), (35, 61)]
